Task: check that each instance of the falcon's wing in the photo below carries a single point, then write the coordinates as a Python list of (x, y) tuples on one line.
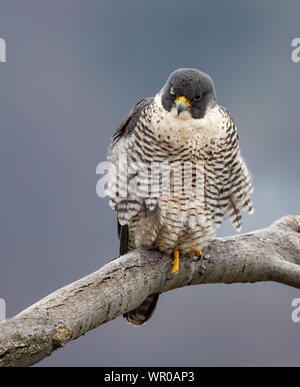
[(241, 188), (123, 236), (234, 179), (126, 207), (128, 123)]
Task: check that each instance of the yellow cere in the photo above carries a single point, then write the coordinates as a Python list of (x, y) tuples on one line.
[(183, 99)]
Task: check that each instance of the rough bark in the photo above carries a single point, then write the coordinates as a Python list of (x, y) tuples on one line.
[(271, 254)]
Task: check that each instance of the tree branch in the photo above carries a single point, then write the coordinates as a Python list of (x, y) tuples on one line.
[(271, 254)]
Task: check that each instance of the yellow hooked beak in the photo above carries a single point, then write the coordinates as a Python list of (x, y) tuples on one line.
[(182, 103)]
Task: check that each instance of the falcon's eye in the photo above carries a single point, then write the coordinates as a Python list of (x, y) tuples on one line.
[(198, 97), (172, 91)]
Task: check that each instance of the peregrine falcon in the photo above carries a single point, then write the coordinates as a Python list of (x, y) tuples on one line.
[(182, 126)]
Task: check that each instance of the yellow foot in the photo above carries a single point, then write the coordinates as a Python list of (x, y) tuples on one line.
[(197, 252), (175, 261)]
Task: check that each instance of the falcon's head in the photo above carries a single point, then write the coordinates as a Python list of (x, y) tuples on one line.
[(190, 91)]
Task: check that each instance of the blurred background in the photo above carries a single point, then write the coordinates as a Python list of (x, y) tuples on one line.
[(74, 69)]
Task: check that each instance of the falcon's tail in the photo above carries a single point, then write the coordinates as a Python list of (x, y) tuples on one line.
[(142, 314)]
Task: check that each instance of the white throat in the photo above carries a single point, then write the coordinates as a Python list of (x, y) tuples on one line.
[(185, 125)]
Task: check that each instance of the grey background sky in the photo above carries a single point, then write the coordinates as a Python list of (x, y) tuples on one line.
[(75, 68)]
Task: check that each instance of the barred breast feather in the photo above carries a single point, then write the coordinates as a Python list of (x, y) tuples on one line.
[(151, 136)]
